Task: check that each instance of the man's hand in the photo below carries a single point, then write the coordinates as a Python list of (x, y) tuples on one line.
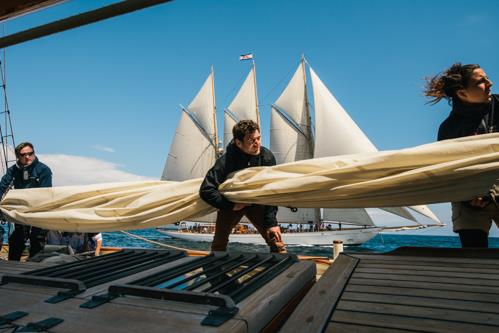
[(275, 233), (239, 206), (479, 202)]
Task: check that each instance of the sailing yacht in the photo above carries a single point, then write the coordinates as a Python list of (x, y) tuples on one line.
[(292, 138)]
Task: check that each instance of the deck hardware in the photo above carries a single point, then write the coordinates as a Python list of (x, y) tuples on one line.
[(97, 300), (219, 316), (62, 296), (41, 326), (10, 317), (219, 279), (43, 281), (81, 275)]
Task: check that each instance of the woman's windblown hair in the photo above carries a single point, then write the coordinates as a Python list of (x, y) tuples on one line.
[(445, 85)]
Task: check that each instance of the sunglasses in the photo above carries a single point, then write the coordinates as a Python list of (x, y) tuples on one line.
[(28, 154)]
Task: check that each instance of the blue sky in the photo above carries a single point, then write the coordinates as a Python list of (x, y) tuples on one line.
[(109, 92)]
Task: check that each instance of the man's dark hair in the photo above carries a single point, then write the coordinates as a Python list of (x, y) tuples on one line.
[(22, 145), (446, 85), (244, 127)]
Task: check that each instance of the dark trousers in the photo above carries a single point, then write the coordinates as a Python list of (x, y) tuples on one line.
[(473, 238), (17, 241), (228, 219)]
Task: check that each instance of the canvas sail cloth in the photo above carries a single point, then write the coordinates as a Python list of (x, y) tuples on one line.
[(451, 170)]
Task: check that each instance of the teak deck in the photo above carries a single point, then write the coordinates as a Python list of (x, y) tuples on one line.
[(408, 290)]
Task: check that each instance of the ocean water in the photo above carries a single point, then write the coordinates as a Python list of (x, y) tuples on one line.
[(380, 243)]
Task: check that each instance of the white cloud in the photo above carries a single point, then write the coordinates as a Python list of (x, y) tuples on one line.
[(103, 148), (81, 170)]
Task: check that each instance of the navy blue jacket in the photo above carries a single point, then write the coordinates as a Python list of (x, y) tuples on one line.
[(234, 160), (36, 174)]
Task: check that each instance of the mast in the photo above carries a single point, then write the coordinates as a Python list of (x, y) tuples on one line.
[(256, 94), (215, 133), (317, 211), (307, 106), (6, 131)]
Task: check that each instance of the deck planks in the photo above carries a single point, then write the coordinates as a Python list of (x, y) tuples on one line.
[(413, 290)]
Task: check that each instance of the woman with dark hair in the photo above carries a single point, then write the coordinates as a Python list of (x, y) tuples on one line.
[(468, 90)]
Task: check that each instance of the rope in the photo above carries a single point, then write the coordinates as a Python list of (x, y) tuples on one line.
[(322, 260), (162, 244)]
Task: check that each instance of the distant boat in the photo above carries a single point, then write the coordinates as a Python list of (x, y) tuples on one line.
[(291, 139)]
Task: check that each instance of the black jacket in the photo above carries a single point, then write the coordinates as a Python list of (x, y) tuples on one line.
[(36, 174), (470, 119), (234, 160)]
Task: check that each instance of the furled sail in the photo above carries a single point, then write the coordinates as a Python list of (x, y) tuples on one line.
[(433, 173), (243, 106), (334, 125)]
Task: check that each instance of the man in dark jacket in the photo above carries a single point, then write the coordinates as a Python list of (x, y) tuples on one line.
[(244, 151), (28, 172)]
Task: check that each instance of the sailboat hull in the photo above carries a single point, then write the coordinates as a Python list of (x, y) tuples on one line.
[(348, 237)]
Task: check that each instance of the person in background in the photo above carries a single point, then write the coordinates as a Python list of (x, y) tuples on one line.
[(474, 111), (28, 172), (244, 151), (79, 242)]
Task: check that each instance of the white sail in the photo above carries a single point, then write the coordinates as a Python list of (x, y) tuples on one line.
[(291, 137), (243, 106), (337, 134), (293, 100), (193, 150), (229, 122), (6, 151), (350, 215)]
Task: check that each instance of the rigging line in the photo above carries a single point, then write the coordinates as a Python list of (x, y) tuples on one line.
[(286, 76), (200, 126), (232, 115), (161, 244), (235, 86)]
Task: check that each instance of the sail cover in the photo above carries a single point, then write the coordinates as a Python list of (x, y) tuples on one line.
[(449, 170)]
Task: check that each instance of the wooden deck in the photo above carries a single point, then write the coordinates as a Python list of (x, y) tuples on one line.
[(408, 290)]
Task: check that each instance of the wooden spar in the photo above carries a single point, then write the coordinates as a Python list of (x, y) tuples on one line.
[(14, 8), (256, 96), (75, 21), (215, 139)]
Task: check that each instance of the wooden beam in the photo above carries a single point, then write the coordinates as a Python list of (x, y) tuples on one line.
[(71, 22), (13, 8)]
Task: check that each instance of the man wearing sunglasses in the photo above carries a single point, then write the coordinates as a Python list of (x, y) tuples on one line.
[(28, 172)]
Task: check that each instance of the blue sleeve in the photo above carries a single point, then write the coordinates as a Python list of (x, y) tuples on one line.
[(46, 177)]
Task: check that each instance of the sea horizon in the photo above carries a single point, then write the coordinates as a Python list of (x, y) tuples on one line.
[(382, 243)]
